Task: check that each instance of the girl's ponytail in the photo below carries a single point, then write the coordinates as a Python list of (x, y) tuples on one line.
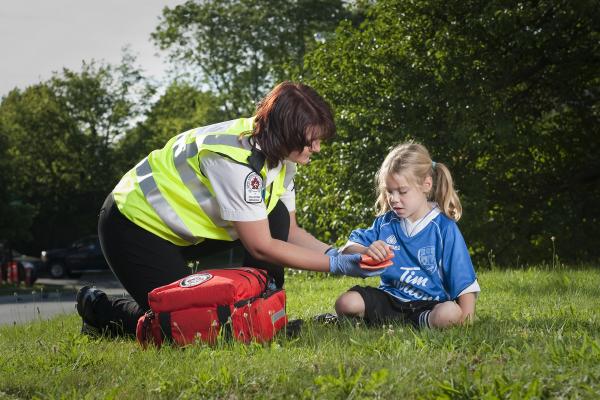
[(443, 192)]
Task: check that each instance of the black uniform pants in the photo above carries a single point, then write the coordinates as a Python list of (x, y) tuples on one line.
[(143, 261)]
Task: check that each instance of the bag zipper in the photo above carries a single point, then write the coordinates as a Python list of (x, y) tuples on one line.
[(260, 280)]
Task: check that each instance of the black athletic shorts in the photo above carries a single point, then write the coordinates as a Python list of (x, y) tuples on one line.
[(381, 308)]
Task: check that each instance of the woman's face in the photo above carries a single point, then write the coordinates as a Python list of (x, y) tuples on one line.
[(303, 157)]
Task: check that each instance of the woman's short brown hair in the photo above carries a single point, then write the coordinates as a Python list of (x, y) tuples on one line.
[(288, 118)]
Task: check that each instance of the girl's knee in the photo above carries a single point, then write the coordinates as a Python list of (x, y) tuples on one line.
[(445, 314), (351, 304)]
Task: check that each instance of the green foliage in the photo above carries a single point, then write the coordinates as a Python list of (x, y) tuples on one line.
[(16, 217), (59, 136), (180, 108), (240, 48), (41, 143), (102, 98), (504, 93), (537, 336)]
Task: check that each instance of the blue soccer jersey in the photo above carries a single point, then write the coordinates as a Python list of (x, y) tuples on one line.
[(430, 264)]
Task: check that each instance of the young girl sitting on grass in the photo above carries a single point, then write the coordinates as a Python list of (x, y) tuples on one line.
[(432, 282)]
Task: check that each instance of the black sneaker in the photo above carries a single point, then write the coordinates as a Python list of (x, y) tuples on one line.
[(87, 329), (87, 296), (293, 328), (326, 319)]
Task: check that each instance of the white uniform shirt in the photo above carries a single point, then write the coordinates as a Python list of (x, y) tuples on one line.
[(228, 179)]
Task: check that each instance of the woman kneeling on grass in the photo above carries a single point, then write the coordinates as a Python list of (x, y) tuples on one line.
[(207, 190), (432, 282)]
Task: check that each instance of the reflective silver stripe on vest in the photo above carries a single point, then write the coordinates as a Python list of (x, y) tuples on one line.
[(196, 187), (181, 152), (159, 203), (227, 140), (289, 175), (220, 127)]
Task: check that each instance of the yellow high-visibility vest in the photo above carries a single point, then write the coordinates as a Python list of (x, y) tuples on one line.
[(166, 193)]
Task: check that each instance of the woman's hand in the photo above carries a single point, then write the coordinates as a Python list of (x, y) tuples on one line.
[(379, 250), (349, 264)]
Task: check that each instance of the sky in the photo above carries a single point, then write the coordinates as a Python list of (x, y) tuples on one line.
[(38, 37)]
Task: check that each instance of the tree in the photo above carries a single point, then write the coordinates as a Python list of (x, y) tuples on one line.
[(16, 217), (104, 101), (60, 135), (180, 108), (43, 157), (505, 93), (239, 48)]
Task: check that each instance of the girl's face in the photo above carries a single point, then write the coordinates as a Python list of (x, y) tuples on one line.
[(407, 200), (303, 157)]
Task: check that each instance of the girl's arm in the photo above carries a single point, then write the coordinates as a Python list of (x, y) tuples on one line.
[(466, 302), (378, 250)]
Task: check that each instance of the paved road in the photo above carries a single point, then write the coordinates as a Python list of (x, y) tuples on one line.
[(41, 306)]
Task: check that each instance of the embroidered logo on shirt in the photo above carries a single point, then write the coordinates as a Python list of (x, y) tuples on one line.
[(253, 188), (426, 256), (392, 241)]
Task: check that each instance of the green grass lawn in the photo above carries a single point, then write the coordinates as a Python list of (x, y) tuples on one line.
[(537, 336)]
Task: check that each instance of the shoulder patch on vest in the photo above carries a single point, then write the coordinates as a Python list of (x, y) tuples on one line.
[(253, 186)]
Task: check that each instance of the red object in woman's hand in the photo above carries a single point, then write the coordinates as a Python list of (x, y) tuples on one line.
[(367, 262)]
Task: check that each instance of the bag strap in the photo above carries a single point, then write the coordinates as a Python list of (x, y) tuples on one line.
[(264, 295), (223, 313), (145, 334), (164, 319)]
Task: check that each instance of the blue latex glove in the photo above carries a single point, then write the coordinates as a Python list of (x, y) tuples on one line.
[(348, 264), (332, 252)]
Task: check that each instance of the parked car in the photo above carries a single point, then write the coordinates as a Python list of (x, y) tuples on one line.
[(84, 255)]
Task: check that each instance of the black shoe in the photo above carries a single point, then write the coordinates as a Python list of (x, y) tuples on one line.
[(87, 329), (293, 328), (326, 319), (86, 298)]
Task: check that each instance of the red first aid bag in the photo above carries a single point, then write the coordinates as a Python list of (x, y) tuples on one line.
[(230, 303)]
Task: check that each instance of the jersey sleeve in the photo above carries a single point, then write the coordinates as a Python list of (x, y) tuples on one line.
[(228, 180), (288, 198), (366, 236), (459, 273)]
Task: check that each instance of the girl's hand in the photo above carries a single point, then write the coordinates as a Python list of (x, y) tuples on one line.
[(379, 250)]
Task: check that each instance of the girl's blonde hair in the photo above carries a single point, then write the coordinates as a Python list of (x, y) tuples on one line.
[(412, 160)]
